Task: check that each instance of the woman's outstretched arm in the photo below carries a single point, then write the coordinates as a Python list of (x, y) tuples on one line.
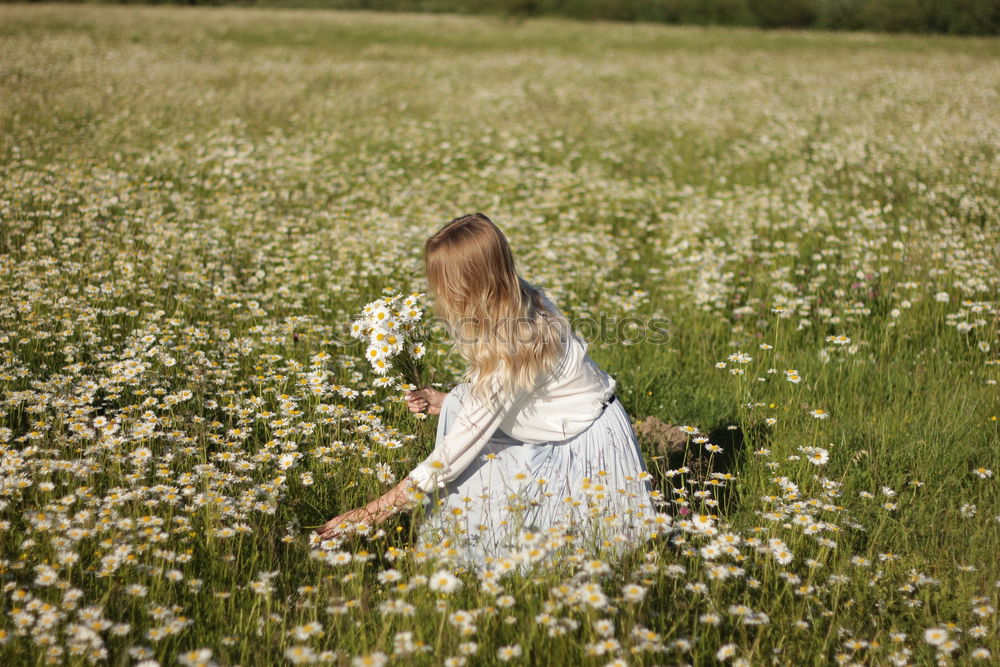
[(474, 425), (395, 499)]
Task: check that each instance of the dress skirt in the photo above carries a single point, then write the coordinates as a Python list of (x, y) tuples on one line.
[(522, 503)]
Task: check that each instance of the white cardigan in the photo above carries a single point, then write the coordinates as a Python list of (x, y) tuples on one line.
[(564, 405)]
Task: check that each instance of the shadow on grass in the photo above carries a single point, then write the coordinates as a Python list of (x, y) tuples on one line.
[(669, 448)]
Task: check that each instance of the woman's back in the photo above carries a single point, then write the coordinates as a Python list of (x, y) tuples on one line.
[(568, 401)]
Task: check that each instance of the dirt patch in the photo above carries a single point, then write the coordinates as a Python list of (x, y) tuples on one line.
[(663, 437)]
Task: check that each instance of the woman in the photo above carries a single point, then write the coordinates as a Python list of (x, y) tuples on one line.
[(534, 442)]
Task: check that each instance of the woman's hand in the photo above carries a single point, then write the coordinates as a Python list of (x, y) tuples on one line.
[(425, 399), (375, 512), (343, 523)]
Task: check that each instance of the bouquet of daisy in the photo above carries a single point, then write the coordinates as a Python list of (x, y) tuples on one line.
[(390, 326)]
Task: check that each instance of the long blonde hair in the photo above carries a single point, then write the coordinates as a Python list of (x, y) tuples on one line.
[(498, 321)]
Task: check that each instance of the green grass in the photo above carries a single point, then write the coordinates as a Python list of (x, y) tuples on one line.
[(201, 189)]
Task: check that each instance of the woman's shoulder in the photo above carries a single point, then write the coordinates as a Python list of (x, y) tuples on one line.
[(547, 301)]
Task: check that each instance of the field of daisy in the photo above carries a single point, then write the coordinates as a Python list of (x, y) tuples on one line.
[(786, 244)]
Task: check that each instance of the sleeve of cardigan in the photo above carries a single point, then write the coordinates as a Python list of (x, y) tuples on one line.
[(475, 423)]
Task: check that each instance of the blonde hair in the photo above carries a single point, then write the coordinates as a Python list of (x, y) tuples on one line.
[(498, 321)]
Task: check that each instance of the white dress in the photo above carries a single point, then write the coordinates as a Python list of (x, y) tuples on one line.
[(551, 470)]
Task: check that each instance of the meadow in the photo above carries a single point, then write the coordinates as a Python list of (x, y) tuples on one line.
[(194, 203)]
